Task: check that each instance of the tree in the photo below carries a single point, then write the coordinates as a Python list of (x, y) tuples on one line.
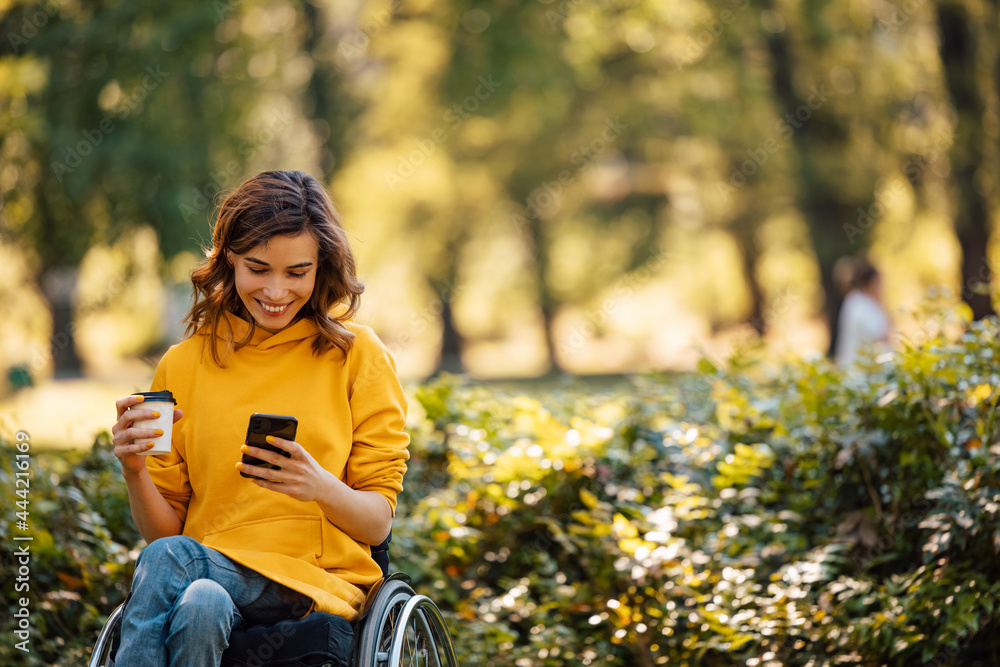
[(971, 64), (139, 114), (499, 122), (804, 86)]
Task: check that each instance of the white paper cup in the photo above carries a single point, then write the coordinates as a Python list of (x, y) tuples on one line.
[(164, 402)]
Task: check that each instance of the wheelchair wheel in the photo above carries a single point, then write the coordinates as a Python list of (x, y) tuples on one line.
[(421, 636), (404, 629)]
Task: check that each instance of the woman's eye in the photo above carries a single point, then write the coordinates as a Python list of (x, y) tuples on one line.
[(257, 272)]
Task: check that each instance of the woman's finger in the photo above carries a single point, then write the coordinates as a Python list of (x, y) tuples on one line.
[(269, 474), (136, 432), (289, 446), (125, 402), (133, 414), (124, 433), (125, 450), (265, 455), (291, 490)]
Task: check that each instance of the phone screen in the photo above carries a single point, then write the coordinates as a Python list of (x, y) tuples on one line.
[(263, 424)]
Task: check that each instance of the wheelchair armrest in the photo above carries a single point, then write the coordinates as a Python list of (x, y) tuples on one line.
[(380, 554)]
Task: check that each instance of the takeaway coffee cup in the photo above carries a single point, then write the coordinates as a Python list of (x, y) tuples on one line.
[(162, 401)]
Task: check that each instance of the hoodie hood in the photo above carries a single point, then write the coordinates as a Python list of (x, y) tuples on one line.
[(263, 339)]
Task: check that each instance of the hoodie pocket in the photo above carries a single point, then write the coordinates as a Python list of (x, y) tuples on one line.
[(298, 537)]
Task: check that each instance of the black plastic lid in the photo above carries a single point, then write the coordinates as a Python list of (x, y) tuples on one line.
[(164, 395)]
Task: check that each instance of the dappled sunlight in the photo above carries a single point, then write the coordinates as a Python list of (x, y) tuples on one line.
[(121, 299), (624, 180), (24, 314), (520, 353)]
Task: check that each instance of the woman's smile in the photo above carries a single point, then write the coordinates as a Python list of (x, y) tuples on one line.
[(273, 310)]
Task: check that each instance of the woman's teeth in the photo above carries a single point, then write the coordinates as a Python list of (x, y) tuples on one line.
[(272, 309)]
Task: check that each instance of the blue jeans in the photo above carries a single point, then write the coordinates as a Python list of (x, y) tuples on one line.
[(187, 598)]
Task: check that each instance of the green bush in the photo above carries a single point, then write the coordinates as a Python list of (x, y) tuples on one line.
[(83, 549), (753, 515), (757, 514)]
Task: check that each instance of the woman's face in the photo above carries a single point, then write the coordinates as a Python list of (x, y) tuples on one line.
[(874, 288), (276, 280)]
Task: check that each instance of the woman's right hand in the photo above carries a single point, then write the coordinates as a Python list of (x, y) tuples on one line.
[(124, 433)]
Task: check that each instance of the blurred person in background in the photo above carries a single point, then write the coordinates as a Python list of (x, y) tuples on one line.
[(863, 321)]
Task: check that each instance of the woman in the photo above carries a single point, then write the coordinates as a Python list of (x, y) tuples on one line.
[(272, 333), (862, 321)]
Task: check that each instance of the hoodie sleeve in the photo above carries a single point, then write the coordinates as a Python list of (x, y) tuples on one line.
[(169, 471), (378, 413)]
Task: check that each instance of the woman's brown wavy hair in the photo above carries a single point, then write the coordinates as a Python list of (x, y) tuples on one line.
[(276, 203)]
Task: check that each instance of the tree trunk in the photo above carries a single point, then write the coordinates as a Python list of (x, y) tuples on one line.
[(547, 303), (59, 286), (976, 272), (828, 214), (531, 229), (317, 92), (961, 44), (831, 306), (751, 254), (451, 342), (548, 320)]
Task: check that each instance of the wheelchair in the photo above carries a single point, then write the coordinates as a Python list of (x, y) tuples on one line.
[(397, 627)]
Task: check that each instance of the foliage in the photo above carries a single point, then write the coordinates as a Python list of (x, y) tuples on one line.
[(82, 553), (751, 515), (756, 514)]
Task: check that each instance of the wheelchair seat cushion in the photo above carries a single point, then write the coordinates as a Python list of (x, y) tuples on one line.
[(318, 640)]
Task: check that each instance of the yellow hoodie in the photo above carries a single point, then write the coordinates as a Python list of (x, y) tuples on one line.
[(351, 414)]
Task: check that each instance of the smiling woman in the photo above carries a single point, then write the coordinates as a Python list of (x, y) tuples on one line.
[(279, 238), (280, 286), (276, 294)]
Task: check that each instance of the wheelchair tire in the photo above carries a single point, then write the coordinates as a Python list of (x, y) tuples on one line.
[(403, 629), (376, 633)]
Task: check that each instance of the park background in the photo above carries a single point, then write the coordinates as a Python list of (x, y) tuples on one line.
[(624, 213)]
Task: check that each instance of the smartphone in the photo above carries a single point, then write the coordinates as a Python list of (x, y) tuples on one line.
[(263, 424)]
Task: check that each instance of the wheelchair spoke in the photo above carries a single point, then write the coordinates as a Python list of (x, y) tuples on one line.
[(385, 639), (415, 652)]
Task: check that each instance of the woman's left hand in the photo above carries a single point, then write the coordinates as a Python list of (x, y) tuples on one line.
[(300, 477)]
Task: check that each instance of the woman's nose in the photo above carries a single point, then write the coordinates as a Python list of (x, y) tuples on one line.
[(274, 288)]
